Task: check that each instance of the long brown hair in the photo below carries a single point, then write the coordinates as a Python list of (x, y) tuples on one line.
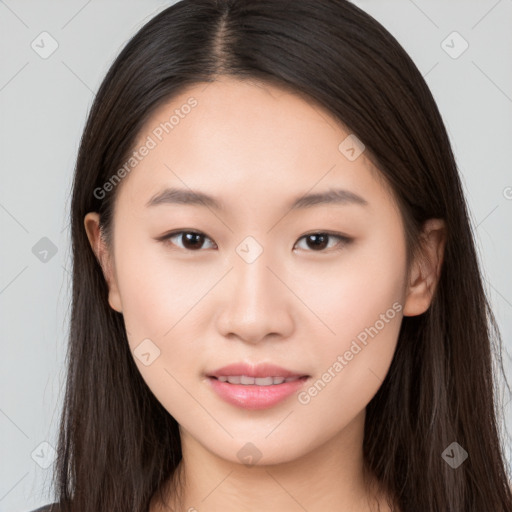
[(118, 445)]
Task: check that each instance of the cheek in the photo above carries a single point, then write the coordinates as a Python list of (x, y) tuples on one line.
[(354, 288), (362, 305), (165, 310), (159, 300), (156, 290)]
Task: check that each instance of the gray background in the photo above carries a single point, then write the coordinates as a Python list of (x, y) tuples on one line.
[(44, 102)]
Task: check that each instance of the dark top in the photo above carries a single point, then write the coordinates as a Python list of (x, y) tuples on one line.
[(52, 507)]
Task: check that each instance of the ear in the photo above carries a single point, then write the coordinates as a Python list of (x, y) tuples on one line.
[(100, 249), (426, 268)]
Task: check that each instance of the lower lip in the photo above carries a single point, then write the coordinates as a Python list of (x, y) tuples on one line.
[(253, 396)]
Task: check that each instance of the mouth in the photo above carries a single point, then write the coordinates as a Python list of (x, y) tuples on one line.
[(255, 386), (245, 380), (255, 393), (246, 373)]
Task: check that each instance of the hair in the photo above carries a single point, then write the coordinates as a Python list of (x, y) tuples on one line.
[(118, 446)]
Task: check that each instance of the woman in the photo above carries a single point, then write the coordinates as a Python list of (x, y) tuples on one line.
[(320, 339)]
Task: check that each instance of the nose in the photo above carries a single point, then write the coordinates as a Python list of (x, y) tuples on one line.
[(256, 301)]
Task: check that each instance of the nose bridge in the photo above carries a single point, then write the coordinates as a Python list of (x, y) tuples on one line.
[(257, 304), (252, 273)]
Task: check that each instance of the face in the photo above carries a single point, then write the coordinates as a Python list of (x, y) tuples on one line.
[(318, 289)]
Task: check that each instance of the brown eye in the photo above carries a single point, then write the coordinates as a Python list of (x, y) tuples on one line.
[(195, 240), (191, 240), (318, 242)]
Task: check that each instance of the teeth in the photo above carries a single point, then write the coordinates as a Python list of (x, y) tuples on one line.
[(258, 381)]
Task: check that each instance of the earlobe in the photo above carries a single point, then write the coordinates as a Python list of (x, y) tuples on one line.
[(100, 249), (426, 268)]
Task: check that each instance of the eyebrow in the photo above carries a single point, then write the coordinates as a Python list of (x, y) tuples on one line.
[(195, 197)]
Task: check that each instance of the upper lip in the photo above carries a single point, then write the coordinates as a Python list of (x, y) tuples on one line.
[(257, 370)]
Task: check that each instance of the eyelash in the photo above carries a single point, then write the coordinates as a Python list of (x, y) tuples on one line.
[(343, 240)]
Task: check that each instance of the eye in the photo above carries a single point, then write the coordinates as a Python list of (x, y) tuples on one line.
[(194, 240), (318, 240)]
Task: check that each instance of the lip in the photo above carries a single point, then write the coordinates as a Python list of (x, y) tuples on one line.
[(258, 370), (252, 396)]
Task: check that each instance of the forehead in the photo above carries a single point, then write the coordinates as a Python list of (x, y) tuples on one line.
[(247, 137)]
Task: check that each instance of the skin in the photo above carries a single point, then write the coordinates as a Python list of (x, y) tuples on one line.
[(256, 147)]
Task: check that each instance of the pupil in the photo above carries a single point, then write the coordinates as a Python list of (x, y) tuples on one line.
[(316, 238), (195, 240), (188, 237)]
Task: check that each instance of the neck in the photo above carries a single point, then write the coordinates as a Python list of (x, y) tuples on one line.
[(330, 477)]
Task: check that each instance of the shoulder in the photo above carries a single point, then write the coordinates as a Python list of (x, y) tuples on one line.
[(52, 507)]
